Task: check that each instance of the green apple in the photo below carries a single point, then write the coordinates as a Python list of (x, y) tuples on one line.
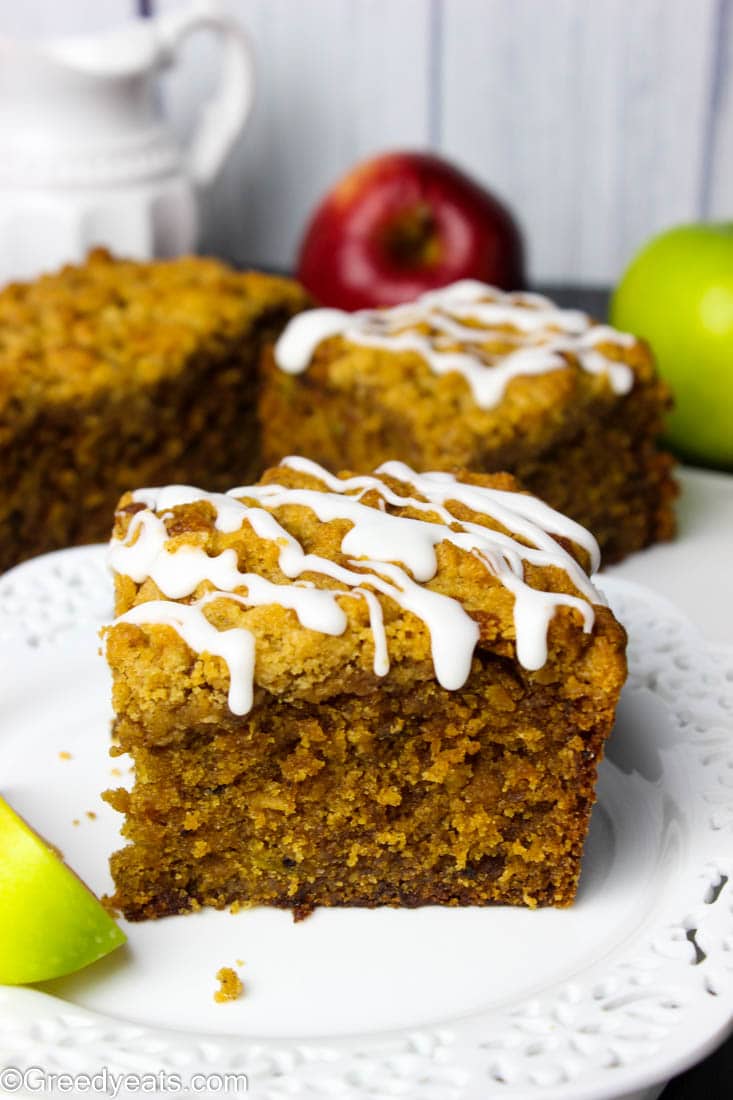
[(678, 295), (50, 923)]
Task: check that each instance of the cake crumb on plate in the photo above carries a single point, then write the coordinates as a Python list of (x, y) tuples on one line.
[(65, 756), (230, 985)]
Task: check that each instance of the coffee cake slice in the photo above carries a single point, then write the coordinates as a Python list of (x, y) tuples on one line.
[(386, 689), (470, 377), (115, 373)]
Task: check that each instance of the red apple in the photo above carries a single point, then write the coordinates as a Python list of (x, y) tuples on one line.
[(404, 223)]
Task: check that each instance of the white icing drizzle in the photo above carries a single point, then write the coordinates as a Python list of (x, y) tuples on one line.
[(546, 335), (525, 515), (386, 553), (235, 647), (229, 512)]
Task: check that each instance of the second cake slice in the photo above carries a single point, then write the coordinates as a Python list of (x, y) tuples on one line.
[(470, 377)]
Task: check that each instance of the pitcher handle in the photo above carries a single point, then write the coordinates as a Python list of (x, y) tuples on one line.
[(222, 118)]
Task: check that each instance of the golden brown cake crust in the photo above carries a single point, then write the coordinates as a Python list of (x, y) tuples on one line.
[(117, 373), (340, 787), (589, 451)]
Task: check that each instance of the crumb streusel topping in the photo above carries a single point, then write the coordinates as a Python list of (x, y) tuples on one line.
[(395, 519)]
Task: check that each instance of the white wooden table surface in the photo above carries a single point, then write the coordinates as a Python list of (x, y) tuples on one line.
[(695, 571)]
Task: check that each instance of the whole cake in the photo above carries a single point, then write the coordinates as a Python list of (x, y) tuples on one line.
[(114, 374), (470, 377), (391, 689)]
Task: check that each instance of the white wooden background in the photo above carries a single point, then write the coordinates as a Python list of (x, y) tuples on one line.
[(599, 121)]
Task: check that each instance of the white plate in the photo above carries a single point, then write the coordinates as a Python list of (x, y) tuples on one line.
[(622, 991)]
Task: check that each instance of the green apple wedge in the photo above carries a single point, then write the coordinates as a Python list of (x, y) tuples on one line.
[(50, 923), (677, 294)]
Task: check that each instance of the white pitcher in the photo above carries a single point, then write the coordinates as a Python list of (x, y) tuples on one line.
[(85, 157)]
